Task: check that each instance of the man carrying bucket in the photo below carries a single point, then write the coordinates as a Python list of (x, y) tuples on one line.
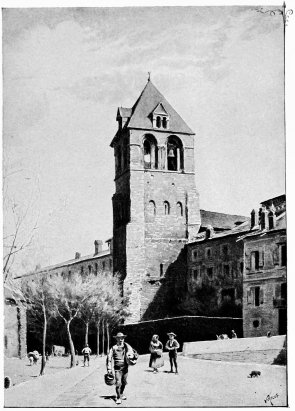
[(123, 355)]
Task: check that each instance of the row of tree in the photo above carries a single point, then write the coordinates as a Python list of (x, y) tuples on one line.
[(91, 298)]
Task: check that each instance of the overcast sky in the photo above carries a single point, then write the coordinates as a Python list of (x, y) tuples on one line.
[(67, 70)]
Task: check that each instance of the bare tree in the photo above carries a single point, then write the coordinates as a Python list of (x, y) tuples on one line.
[(70, 294), (111, 307), (38, 299), (96, 290), (22, 215)]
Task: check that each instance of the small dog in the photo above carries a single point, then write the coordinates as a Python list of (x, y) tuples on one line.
[(222, 337), (33, 357), (254, 374)]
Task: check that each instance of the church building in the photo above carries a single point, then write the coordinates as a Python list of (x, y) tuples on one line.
[(156, 203), (172, 257)]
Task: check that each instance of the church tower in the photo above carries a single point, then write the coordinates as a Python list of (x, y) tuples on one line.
[(156, 205)]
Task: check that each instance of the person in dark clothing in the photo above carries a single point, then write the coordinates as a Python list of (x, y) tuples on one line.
[(172, 346)]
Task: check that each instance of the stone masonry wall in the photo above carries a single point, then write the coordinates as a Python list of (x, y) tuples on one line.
[(155, 240), (11, 341), (22, 331), (186, 328), (264, 317), (199, 260), (15, 326)]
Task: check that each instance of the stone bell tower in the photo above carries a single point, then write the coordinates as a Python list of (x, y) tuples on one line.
[(156, 205)]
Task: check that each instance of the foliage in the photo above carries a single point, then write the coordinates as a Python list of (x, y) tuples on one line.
[(39, 302), (204, 301), (69, 295), (111, 306)]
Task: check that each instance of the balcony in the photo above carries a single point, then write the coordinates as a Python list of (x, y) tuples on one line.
[(279, 303)]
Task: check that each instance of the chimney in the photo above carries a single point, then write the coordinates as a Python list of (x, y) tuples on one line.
[(209, 231), (272, 219), (264, 219), (77, 255), (254, 219), (97, 246), (110, 245)]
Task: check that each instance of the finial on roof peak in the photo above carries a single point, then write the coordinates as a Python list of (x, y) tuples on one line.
[(149, 77)]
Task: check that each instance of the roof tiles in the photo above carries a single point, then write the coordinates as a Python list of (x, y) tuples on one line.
[(147, 103)]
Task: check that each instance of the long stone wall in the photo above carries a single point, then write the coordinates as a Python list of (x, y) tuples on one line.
[(187, 328), (234, 345)]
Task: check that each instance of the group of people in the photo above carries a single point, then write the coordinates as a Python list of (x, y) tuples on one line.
[(122, 353), (156, 350)]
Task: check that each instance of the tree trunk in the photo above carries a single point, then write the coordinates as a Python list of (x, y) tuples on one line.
[(97, 336), (43, 362), (72, 348), (108, 339), (86, 332), (103, 326)]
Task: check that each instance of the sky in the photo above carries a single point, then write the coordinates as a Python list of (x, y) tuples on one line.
[(67, 70)]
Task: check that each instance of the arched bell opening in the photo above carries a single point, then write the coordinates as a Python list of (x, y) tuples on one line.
[(150, 152), (174, 154)]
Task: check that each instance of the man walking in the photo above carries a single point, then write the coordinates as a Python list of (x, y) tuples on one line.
[(86, 352), (120, 353), (172, 346)]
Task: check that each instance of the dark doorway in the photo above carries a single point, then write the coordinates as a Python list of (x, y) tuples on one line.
[(282, 321)]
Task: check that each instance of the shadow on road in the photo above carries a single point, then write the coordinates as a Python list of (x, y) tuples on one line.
[(108, 397)]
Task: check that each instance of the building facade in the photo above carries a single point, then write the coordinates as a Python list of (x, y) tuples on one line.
[(171, 256), (215, 264), (15, 325), (156, 204), (265, 274), (100, 260)]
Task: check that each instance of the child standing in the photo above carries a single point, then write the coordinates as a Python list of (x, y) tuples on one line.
[(172, 346)]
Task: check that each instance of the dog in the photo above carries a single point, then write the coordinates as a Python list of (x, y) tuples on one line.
[(254, 374), (222, 337), (33, 357)]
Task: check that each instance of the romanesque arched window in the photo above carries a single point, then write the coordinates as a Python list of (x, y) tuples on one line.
[(150, 151), (174, 154), (147, 154), (179, 209), (158, 122), (166, 208), (164, 122), (152, 208)]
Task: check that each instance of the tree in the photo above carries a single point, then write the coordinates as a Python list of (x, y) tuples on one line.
[(111, 307), (22, 215), (38, 299), (96, 290), (69, 294)]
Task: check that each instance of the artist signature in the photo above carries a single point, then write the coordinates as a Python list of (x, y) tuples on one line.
[(269, 398)]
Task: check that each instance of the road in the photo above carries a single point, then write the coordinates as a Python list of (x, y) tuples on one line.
[(199, 383)]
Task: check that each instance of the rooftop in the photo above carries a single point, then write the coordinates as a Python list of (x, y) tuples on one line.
[(68, 263), (221, 220), (147, 102)]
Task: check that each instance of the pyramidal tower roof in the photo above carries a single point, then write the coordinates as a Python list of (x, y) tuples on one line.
[(147, 102)]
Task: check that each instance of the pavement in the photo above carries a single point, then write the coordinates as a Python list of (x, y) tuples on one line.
[(200, 383)]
